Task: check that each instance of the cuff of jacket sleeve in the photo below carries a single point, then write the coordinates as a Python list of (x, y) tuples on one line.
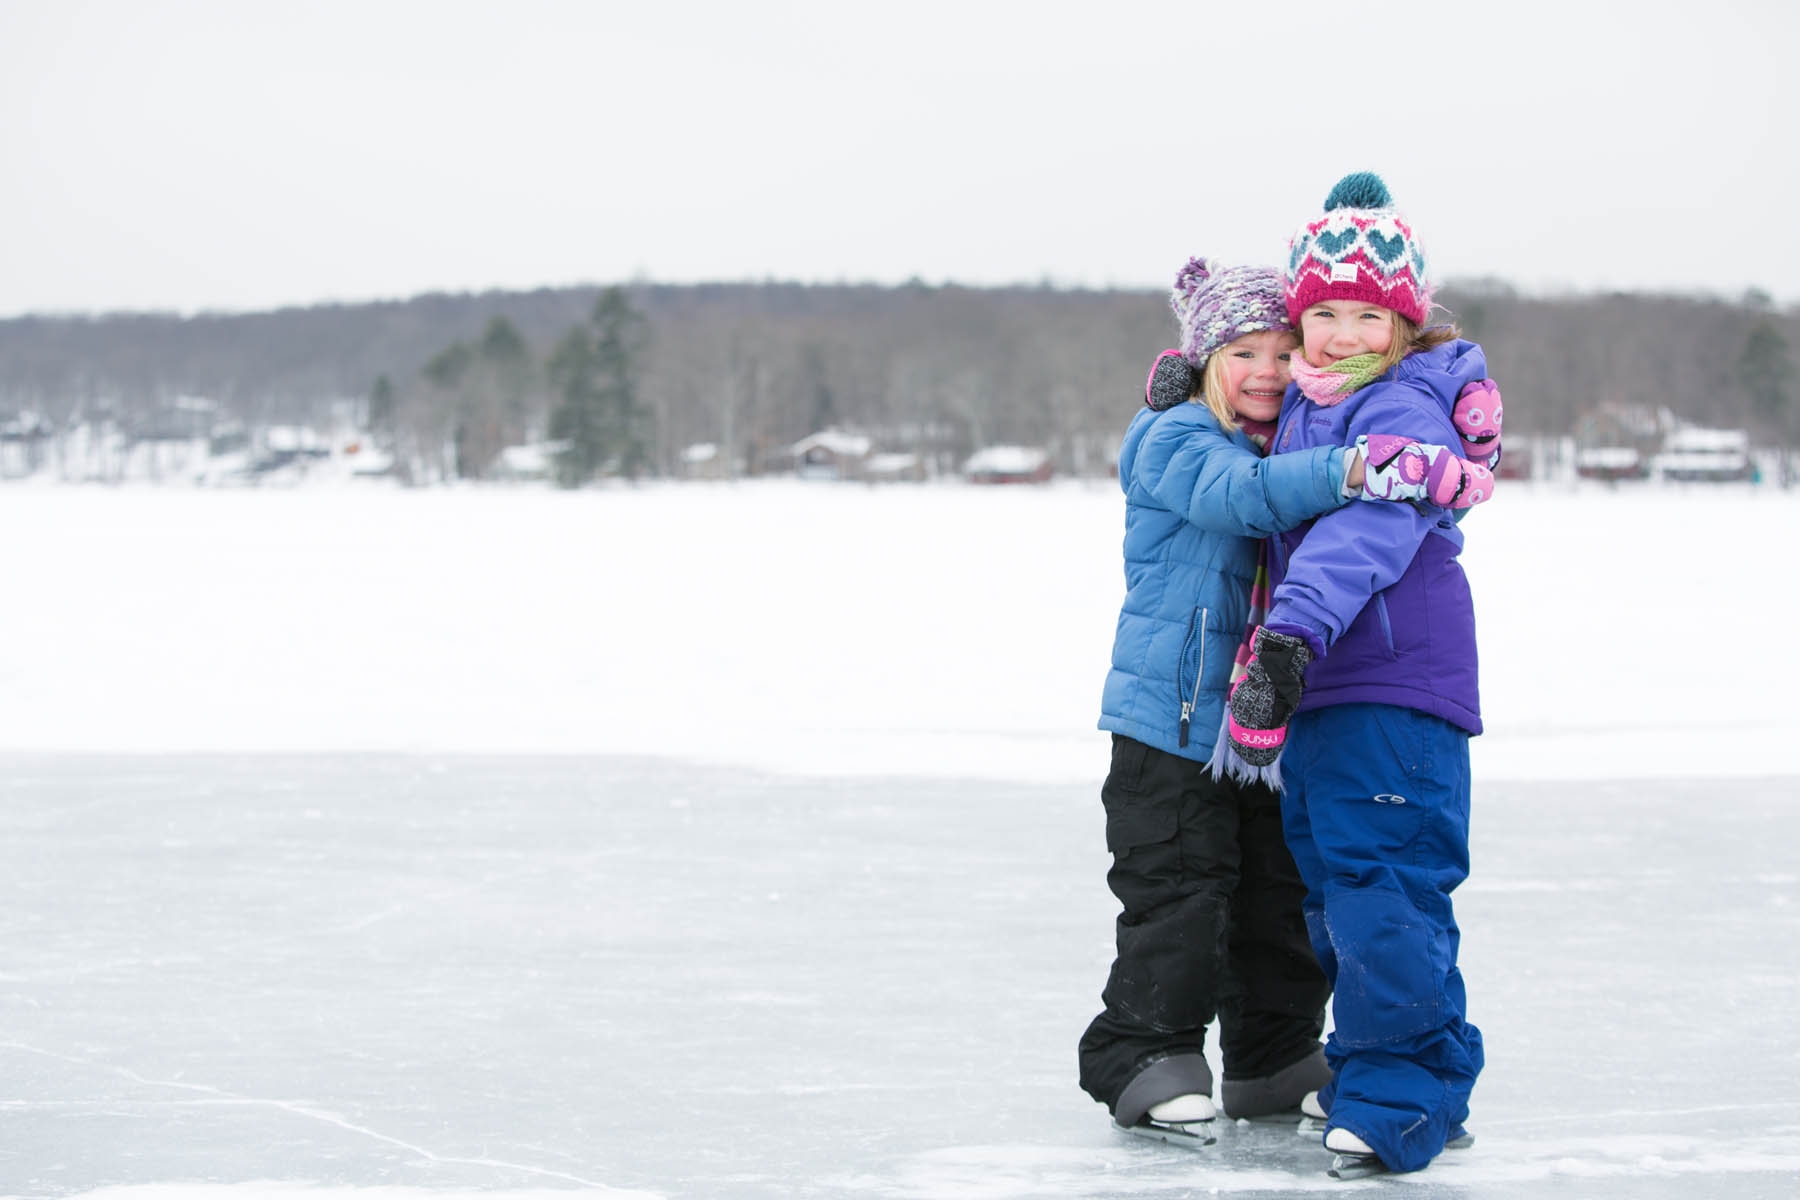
[(1347, 491), (1309, 636)]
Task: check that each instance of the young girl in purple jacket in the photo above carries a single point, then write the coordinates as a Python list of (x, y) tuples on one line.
[(1364, 682), (1210, 932)]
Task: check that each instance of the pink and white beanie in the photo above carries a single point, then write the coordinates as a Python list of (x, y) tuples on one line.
[(1361, 249)]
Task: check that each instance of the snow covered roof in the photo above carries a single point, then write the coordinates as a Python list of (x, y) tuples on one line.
[(23, 424), (1711, 461), (1006, 460), (1694, 438), (845, 445), (291, 437), (1607, 457), (371, 460), (529, 459), (699, 452)]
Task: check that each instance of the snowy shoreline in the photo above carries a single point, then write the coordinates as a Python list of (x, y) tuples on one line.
[(310, 885)]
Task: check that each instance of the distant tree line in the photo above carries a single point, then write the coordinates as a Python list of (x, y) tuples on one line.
[(621, 380)]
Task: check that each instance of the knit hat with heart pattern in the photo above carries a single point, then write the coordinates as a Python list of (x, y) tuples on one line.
[(1361, 249)]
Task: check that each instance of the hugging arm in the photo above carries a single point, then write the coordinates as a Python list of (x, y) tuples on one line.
[(1344, 559)]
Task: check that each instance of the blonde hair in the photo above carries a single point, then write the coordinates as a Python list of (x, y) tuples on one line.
[(1413, 339), (1209, 386), (1211, 391)]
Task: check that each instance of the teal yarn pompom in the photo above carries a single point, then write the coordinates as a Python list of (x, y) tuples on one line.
[(1360, 189)]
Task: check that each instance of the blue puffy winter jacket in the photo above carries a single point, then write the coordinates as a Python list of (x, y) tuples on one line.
[(1196, 501)]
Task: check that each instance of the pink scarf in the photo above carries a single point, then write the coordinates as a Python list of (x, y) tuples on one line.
[(1326, 386)]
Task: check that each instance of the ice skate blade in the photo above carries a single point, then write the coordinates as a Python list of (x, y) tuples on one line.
[(1193, 1135), (1361, 1166), (1355, 1166)]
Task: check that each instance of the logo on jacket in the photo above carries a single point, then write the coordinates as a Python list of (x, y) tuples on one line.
[(1390, 798)]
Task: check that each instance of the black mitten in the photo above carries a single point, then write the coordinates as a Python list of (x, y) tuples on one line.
[(1266, 697), (1170, 383)]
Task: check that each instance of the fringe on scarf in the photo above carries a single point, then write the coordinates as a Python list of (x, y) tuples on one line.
[(1225, 758), (1227, 761)]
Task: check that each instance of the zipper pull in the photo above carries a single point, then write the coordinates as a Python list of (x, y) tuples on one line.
[(1187, 710)]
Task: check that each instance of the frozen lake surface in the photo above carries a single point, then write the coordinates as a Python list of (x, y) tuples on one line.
[(744, 842), (511, 974)]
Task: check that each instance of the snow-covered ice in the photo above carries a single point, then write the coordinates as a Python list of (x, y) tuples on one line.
[(743, 841), (814, 627)]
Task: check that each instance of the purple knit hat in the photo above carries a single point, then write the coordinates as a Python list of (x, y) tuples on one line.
[(1216, 305)]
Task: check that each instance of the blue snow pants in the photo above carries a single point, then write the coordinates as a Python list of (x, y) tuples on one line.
[(1376, 811)]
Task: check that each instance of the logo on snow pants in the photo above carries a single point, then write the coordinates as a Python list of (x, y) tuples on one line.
[(1390, 798)]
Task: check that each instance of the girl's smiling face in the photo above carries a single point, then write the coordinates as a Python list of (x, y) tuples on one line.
[(1256, 373), (1337, 329)]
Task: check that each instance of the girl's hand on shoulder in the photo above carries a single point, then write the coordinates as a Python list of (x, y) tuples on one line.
[(1477, 417), (1170, 383), (1403, 469)]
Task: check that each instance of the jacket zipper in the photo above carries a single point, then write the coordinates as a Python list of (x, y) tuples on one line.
[(1187, 706)]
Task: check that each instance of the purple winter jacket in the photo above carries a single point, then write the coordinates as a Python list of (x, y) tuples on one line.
[(1379, 585)]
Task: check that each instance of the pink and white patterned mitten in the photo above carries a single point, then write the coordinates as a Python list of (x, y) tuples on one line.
[(1400, 468)]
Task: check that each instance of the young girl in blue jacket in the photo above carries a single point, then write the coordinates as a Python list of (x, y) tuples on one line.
[(1211, 921), (1369, 648)]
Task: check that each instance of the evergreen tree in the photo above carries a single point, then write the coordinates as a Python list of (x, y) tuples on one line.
[(495, 398), (501, 342), (1763, 371), (599, 417), (824, 403), (480, 394), (450, 364), (445, 416), (381, 405)]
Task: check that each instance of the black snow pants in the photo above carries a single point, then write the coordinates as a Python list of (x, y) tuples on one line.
[(1211, 926)]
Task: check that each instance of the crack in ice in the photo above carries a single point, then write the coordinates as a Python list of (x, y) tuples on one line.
[(224, 1097)]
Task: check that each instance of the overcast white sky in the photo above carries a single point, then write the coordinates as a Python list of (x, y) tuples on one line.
[(243, 154)]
